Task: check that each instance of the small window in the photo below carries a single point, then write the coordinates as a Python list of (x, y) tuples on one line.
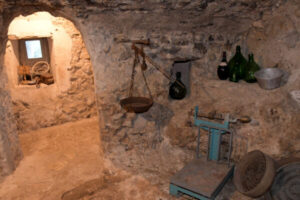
[(34, 52), (33, 49)]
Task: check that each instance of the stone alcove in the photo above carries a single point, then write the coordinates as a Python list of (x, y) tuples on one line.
[(72, 70), (71, 96)]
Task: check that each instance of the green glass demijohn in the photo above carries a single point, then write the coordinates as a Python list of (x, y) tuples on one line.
[(251, 68), (237, 66), (234, 72)]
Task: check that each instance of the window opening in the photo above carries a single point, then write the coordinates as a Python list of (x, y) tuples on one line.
[(34, 62), (33, 49)]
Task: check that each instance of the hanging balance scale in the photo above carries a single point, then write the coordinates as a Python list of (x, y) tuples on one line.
[(138, 104)]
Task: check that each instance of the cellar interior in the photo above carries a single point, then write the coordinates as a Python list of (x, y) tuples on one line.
[(67, 133)]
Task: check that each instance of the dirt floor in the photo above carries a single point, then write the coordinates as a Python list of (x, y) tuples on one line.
[(65, 162)]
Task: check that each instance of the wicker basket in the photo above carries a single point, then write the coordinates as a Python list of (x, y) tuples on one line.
[(254, 174)]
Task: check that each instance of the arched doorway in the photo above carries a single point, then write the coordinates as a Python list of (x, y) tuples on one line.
[(56, 153), (49, 71)]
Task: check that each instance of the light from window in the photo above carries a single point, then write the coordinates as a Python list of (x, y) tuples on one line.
[(33, 49)]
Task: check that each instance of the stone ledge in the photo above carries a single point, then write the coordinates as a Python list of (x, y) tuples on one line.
[(16, 37)]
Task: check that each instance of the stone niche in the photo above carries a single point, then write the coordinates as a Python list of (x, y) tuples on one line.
[(71, 97), (158, 143)]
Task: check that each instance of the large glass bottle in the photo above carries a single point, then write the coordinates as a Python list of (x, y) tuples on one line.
[(223, 71), (251, 68), (237, 66), (177, 89), (234, 74)]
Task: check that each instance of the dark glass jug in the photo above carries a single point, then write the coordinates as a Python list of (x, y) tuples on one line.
[(237, 66), (223, 71), (177, 91)]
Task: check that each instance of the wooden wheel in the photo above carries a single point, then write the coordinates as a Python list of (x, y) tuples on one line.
[(40, 67)]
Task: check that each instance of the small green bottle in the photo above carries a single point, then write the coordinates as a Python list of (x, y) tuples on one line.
[(251, 68), (237, 66)]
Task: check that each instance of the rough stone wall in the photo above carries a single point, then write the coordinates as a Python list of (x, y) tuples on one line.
[(10, 151), (147, 143), (157, 143), (72, 96), (79, 100), (275, 40)]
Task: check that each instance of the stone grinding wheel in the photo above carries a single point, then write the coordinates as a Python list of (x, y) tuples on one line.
[(254, 174), (286, 184)]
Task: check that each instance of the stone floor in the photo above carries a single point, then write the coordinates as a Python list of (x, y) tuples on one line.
[(65, 162)]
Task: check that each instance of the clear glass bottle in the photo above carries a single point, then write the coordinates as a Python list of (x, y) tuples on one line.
[(223, 71), (251, 68), (177, 91), (237, 66)]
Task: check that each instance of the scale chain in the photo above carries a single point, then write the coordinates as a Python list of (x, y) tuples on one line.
[(147, 85), (136, 60)]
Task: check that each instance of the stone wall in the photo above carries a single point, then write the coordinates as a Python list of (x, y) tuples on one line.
[(10, 151), (157, 143), (71, 97), (148, 143)]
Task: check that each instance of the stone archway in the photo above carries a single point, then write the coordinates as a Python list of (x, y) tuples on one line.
[(70, 94), (10, 152)]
